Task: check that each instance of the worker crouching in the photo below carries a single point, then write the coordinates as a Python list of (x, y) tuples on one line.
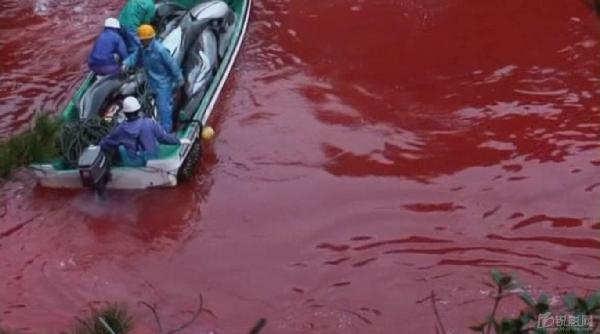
[(137, 139)]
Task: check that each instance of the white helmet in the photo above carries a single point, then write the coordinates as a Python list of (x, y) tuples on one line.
[(111, 22), (131, 104)]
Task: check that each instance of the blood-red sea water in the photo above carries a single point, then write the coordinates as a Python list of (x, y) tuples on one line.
[(367, 153)]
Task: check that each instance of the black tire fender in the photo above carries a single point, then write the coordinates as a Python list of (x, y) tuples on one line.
[(190, 163)]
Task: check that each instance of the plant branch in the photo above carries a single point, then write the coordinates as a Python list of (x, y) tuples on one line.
[(259, 326), (194, 316), (155, 314), (85, 324), (497, 299), (437, 315)]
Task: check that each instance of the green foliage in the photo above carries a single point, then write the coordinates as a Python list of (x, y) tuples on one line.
[(31, 145), (49, 138), (116, 319), (115, 316), (529, 317)]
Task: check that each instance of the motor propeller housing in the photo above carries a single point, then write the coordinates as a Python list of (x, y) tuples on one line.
[(94, 168)]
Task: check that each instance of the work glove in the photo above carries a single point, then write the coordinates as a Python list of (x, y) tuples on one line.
[(185, 141)]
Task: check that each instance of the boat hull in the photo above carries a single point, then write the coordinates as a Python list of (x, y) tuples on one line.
[(121, 177)]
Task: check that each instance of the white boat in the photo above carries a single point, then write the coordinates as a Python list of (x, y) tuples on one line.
[(205, 41)]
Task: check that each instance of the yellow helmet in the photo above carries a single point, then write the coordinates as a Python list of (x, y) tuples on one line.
[(146, 31)]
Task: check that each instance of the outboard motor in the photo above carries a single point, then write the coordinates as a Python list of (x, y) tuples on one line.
[(94, 168)]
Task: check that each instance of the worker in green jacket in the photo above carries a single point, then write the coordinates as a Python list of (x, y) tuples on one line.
[(187, 4), (134, 14)]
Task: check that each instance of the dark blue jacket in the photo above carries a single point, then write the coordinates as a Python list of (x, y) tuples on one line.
[(139, 135), (107, 45)]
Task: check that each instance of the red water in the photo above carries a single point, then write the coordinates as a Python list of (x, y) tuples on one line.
[(368, 152)]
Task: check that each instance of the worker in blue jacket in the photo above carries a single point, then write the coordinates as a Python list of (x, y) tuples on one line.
[(109, 50), (162, 72), (137, 138)]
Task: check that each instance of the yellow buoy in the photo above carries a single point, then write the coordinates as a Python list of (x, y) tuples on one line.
[(208, 133)]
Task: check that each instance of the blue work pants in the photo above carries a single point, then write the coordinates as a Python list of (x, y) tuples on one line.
[(164, 103), (139, 160)]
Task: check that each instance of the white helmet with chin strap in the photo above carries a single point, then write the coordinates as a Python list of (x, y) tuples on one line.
[(111, 22), (131, 105)]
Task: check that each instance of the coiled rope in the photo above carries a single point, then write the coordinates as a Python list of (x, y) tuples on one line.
[(75, 136)]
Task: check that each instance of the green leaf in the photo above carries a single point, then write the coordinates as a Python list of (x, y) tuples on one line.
[(512, 285), (505, 281), (582, 306), (496, 276), (525, 317), (570, 301), (501, 279), (593, 301), (527, 298), (478, 328), (497, 327), (542, 304), (511, 325)]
